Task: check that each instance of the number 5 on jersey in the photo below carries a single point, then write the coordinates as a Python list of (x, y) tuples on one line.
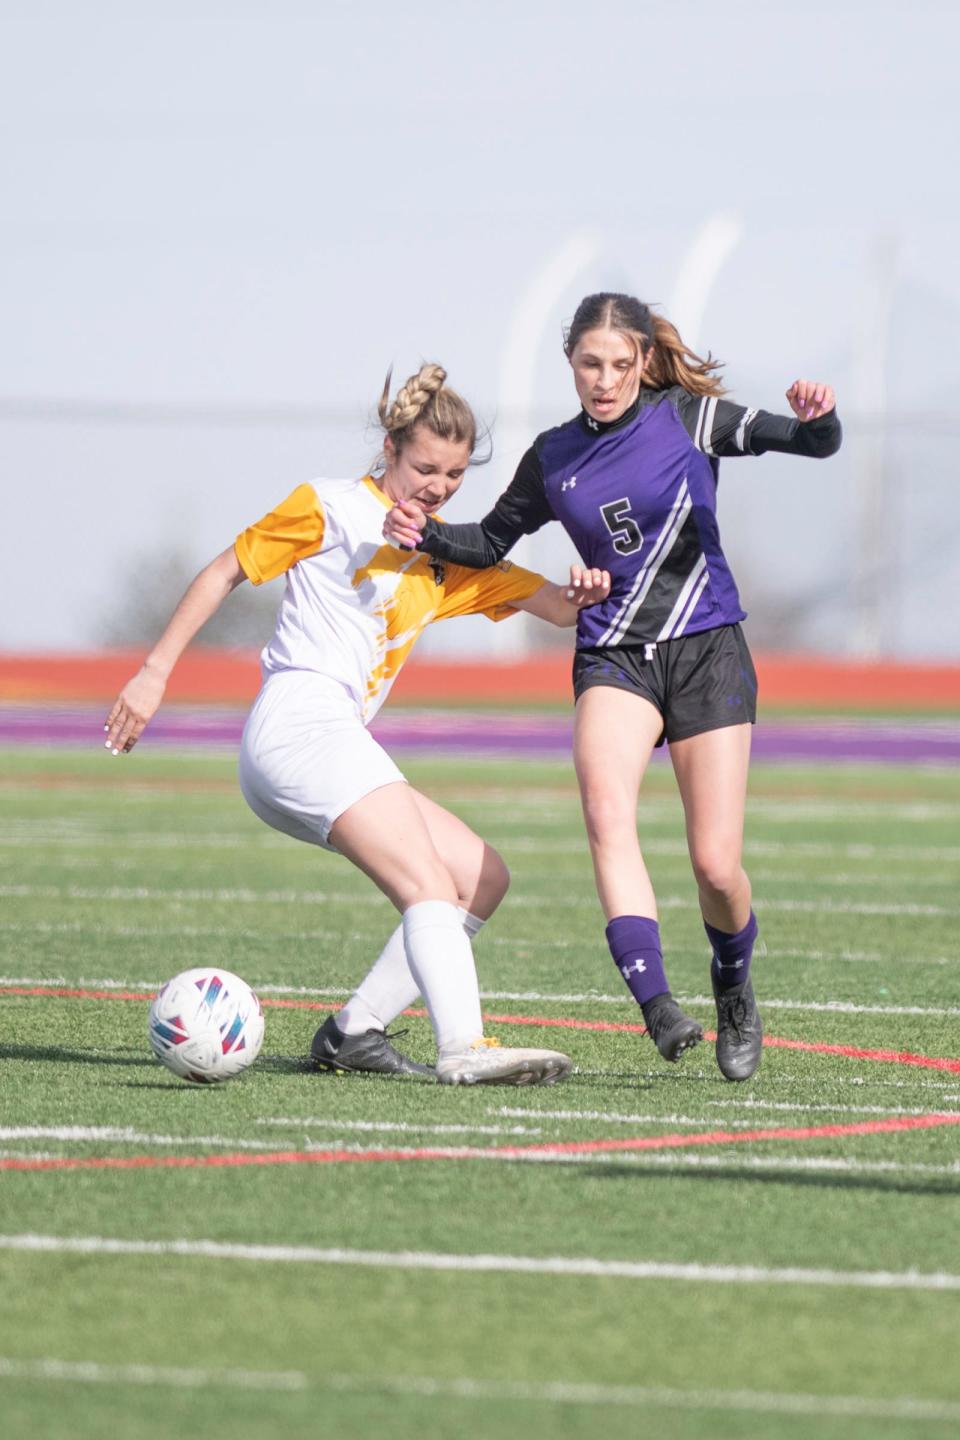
[(624, 529)]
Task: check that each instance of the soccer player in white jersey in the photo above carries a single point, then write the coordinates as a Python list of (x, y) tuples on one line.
[(352, 609)]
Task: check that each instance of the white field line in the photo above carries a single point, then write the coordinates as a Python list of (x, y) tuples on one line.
[(126, 1135), (691, 1072), (543, 806), (19, 836), (888, 810), (303, 936), (613, 1117), (859, 1082), (400, 1126), (92, 1373), (664, 1119), (544, 997), (247, 896), (787, 1164), (544, 1392), (577, 1266), (837, 879), (561, 1392)]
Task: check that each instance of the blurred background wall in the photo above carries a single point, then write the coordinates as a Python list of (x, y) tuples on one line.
[(222, 222)]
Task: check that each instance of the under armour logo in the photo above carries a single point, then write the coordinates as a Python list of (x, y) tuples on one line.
[(568, 484), (635, 967), (594, 424)]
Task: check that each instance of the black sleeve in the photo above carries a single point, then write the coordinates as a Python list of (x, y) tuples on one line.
[(522, 508), (719, 427)]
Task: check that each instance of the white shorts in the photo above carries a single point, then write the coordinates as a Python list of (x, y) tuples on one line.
[(306, 756)]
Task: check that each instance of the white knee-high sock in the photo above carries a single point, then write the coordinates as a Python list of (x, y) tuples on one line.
[(388, 988), (441, 962)]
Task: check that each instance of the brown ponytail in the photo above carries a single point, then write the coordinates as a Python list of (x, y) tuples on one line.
[(674, 363)]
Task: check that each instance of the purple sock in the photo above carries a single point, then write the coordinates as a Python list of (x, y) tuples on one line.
[(635, 946), (731, 953)]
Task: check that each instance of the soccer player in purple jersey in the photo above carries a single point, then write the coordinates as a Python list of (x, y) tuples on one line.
[(633, 481)]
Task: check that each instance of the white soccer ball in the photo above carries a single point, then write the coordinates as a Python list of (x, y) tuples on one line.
[(205, 1025)]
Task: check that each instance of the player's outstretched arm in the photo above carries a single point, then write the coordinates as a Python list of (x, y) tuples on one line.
[(560, 604), (140, 698)]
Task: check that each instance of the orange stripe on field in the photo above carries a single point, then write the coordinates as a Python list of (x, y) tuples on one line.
[(888, 1126), (545, 1022), (209, 676)]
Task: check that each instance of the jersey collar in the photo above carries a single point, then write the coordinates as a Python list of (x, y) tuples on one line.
[(600, 427)]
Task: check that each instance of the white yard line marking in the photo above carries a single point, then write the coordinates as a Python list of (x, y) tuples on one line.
[(20, 835), (786, 1164), (124, 1135), (92, 1373), (247, 896), (548, 1392), (613, 1117), (526, 1114), (397, 1126), (302, 936), (583, 1266), (544, 997), (659, 1397)]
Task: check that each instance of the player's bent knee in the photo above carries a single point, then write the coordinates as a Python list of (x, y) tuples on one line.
[(718, 872)]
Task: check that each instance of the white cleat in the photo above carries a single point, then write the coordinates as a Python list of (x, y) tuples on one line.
[(487, 1062)]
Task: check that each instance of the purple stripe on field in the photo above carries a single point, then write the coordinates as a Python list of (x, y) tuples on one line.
[(547, 736)]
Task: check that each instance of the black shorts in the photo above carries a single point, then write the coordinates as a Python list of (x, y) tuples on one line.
[(698, 682)]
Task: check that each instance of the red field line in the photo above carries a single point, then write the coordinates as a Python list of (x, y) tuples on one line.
[(891, 1125), (546, 1022)]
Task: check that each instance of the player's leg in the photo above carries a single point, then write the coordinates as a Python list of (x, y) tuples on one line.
[(615, 732), (387, 835), (711, 771), (481, 880)]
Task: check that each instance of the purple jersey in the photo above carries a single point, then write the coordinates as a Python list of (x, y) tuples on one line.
[(638, 497), (641, 502)]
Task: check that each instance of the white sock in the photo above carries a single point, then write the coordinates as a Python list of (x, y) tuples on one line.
[(441, 962), (388, 988)]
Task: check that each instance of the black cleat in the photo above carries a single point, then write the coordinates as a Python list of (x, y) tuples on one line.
[(368, 1054), (739, 1031), (670, 1030)]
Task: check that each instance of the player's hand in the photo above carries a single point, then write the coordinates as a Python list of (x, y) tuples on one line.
[(404, 524), (587, 587), (133, 709), (809, 399)]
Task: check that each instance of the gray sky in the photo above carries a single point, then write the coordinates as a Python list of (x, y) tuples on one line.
[(223, 221)]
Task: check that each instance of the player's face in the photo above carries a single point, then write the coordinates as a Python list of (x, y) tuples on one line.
[(606, 372), (426, 469)]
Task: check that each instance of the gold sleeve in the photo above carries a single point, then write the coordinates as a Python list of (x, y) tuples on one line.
[(486, 592), (287, 534)]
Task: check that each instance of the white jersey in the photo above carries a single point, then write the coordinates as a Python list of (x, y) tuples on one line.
[(353, 604)]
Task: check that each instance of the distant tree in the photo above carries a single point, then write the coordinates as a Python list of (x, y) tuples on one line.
[(147, 590)]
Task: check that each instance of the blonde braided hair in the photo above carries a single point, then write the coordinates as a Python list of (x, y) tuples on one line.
[(424, 399)]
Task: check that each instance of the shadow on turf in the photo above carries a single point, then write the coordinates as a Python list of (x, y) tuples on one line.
[(272, 1064), (828, 1180), (61, 1056)]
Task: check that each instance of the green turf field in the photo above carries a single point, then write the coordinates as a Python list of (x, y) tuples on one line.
[(803, 1282)]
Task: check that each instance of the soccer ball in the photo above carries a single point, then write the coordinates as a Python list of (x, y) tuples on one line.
[(206, 1025)]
